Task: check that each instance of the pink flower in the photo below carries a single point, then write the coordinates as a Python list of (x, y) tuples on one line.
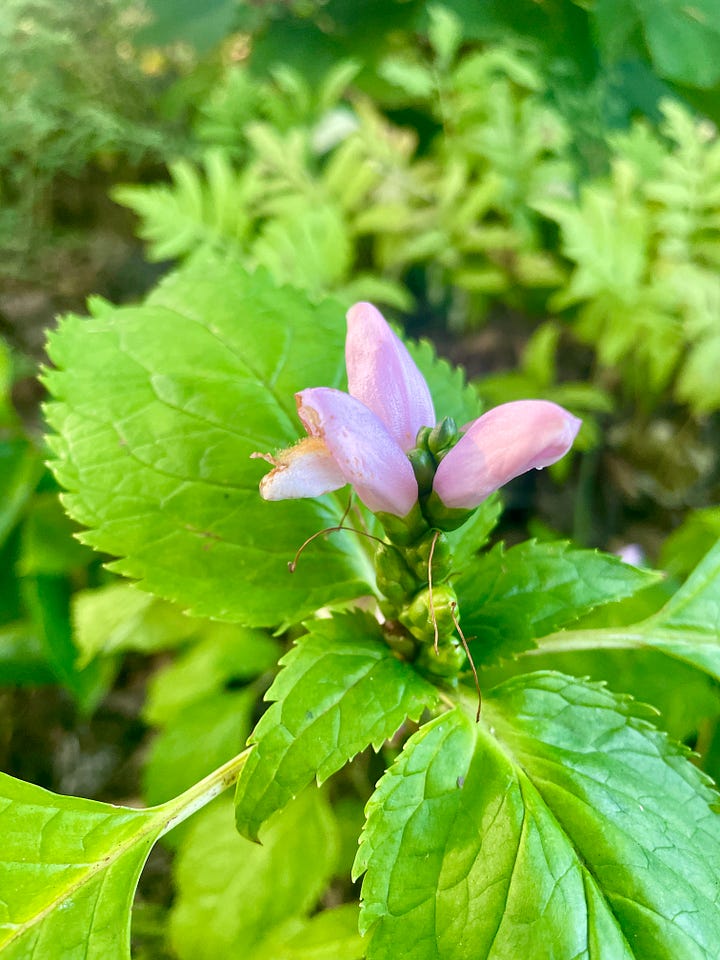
[(500, 445), (363, 437)]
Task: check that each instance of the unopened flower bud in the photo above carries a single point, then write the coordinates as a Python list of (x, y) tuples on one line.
[(442, 437), (423, 467), (424, 613), (394, 578)]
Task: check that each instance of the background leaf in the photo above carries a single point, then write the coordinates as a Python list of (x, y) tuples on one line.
[(687, 627), (252, 888)]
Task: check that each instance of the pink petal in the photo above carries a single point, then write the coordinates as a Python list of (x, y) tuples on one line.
[(383, 376), (501, 444), (365, 453), (305, 470)]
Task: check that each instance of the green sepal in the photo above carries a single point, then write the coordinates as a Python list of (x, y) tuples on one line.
[(404, 530), (418, 557), (440, 517)]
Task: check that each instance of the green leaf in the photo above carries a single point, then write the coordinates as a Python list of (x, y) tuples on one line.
[(48, 544), (20, 469), (687, 628), (445, 32), (684, 39), (508, 598), (196, 741), (342, 690), (69, 867), (329, 935), (230, 909), (118, 618), (48, 601), (452, 395), (562, 825), (158, 409), (22, 657), (225, 654)]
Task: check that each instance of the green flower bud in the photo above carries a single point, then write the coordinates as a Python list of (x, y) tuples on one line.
[(447, 662), (423, 435), (394, 578), (424, 468), (417, 616), (418, 557), (443, 436)]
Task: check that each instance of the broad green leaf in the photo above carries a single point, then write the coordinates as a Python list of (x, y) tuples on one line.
[(561, 826), (230, 909), (341, 691), (69, 867), (684, 40), (687, 628), (508, 598), (158, 409), (686, 704)]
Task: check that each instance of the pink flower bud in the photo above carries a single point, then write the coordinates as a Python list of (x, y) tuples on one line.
[(500, 445)]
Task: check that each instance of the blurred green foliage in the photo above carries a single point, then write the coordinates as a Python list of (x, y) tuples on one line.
[(551, 159)]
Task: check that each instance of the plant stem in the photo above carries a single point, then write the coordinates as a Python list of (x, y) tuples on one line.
[(200, 794)]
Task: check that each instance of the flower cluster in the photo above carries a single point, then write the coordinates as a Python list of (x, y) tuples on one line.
[(382, 437)]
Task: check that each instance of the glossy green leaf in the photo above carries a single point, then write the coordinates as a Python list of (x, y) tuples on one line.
[(561, 826), (508, 598), (230, 909), (341, 691), (158, 409), (69, 867)]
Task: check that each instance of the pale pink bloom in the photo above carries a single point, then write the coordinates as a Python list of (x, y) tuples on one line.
[(362, 437), (359, 438), (500, 445), (382, 374)]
